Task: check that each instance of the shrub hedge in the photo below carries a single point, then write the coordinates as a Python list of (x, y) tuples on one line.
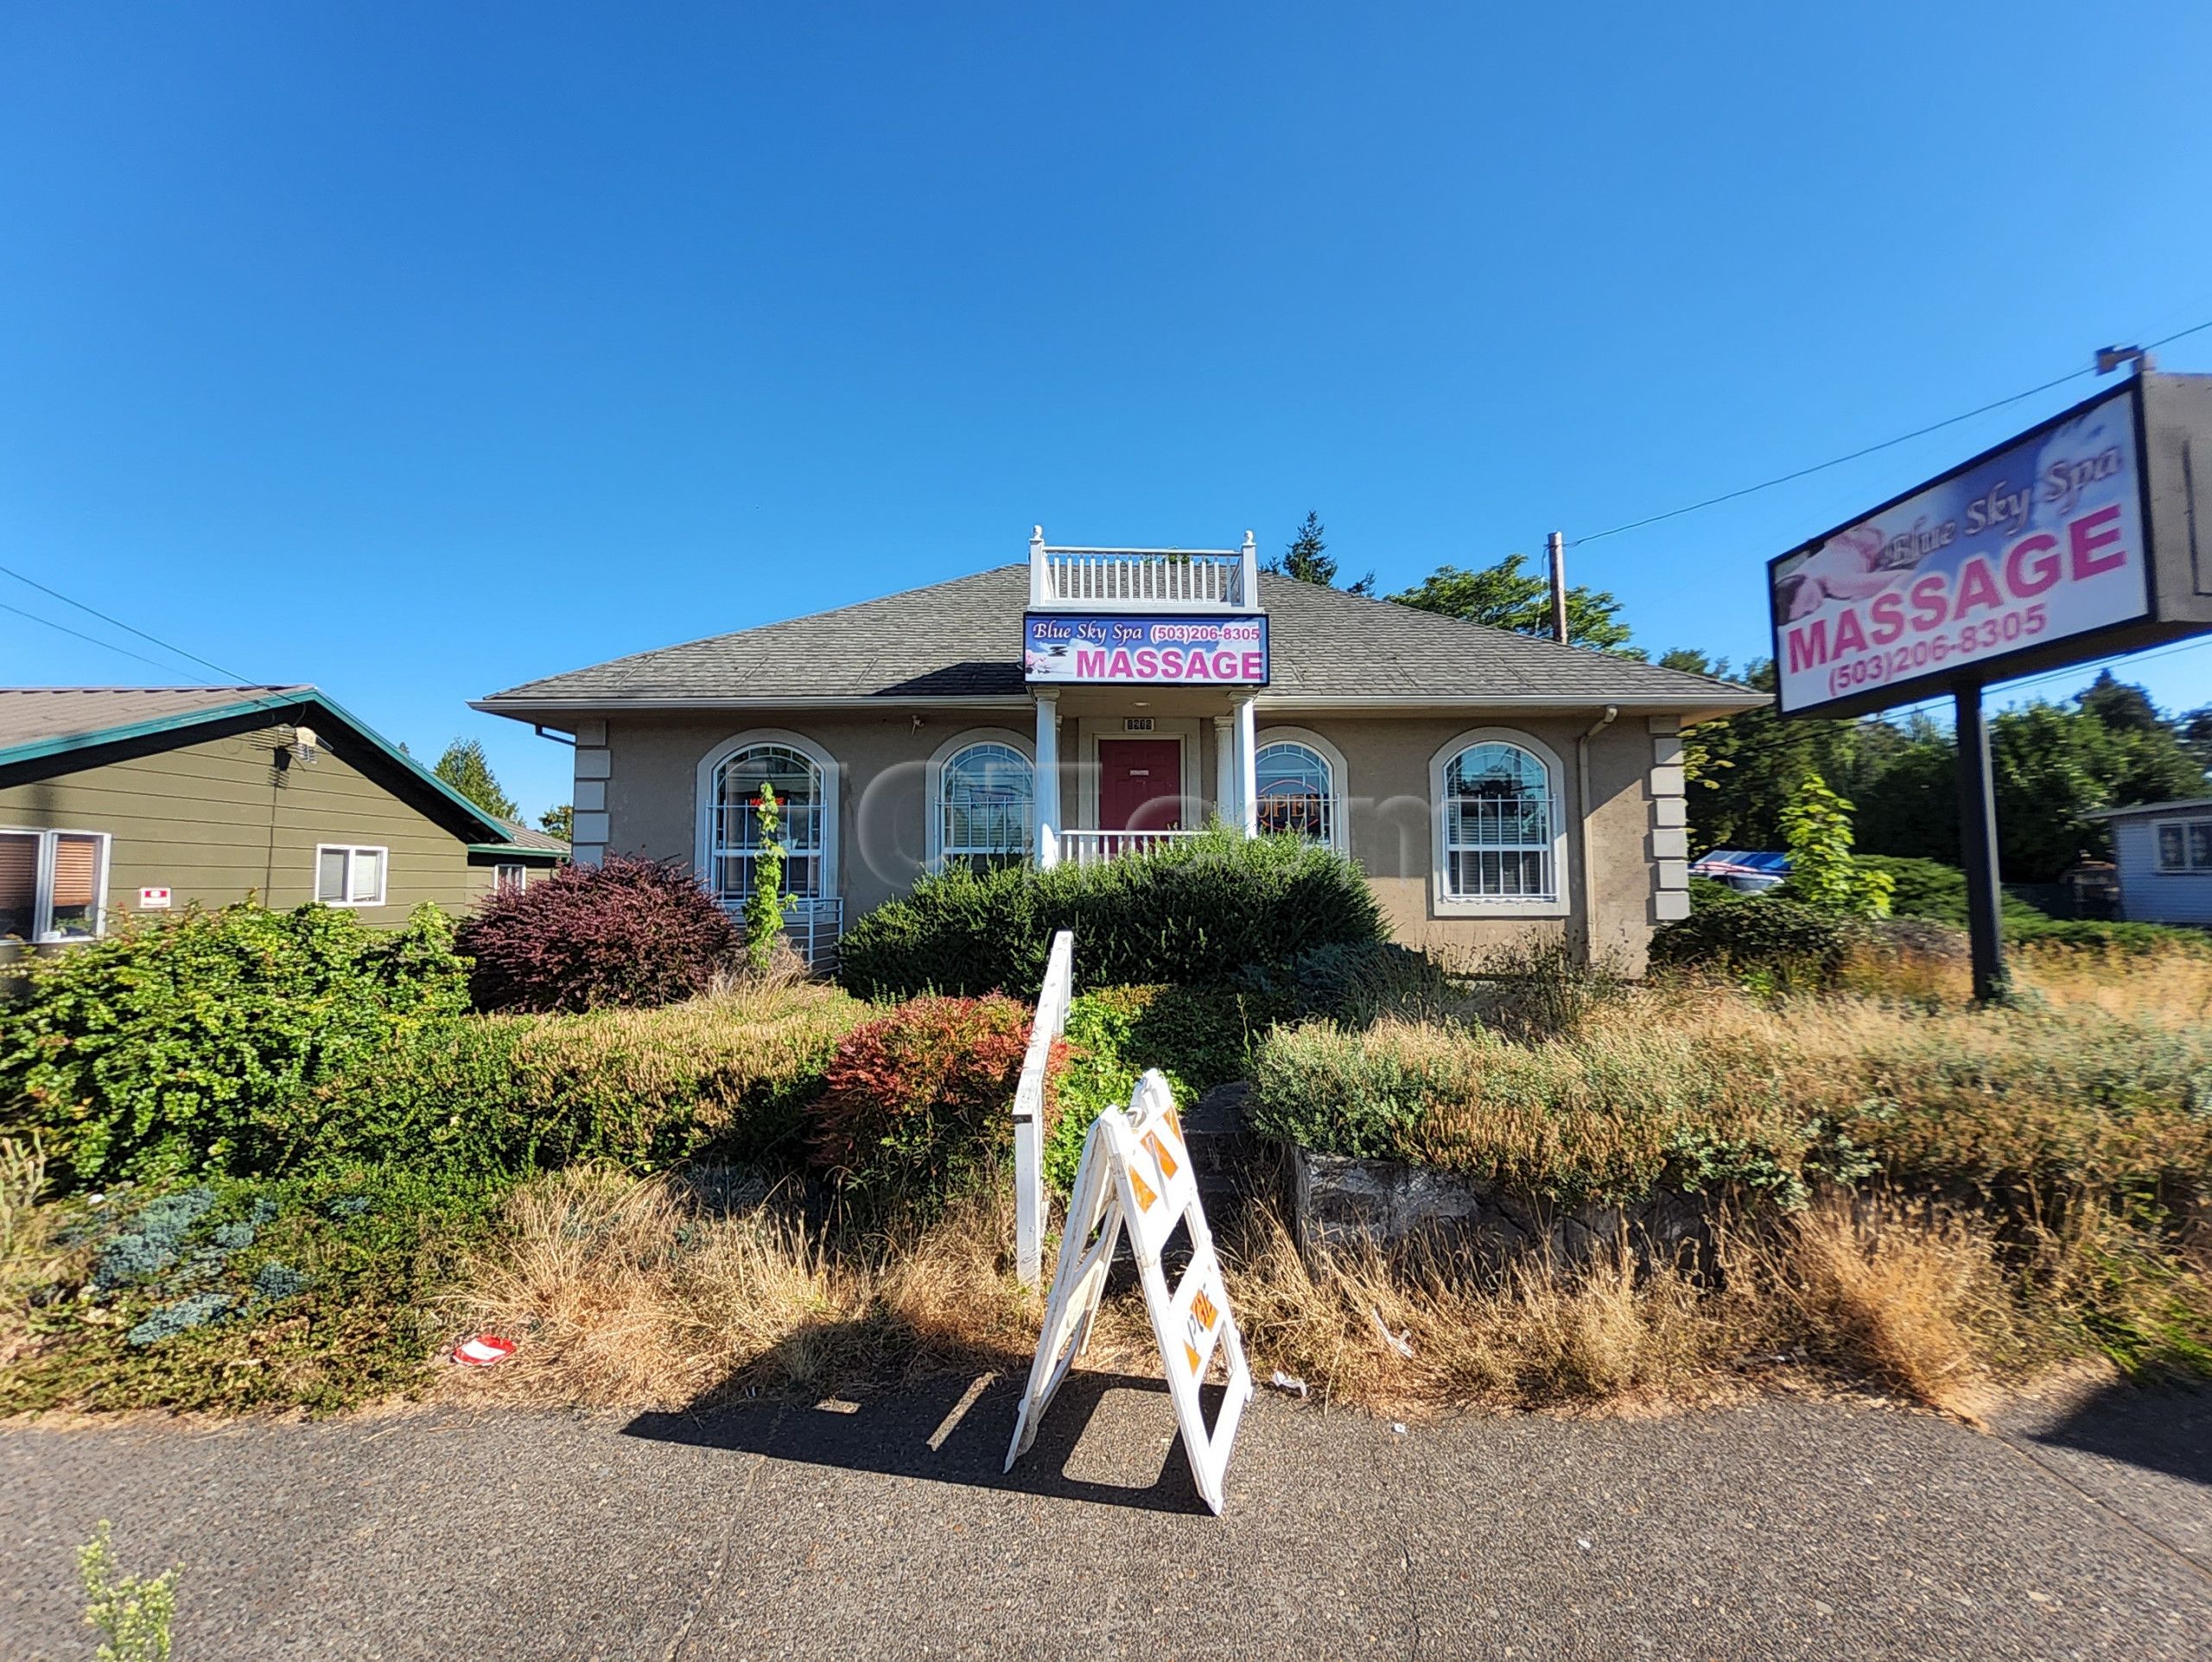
[(193, 1044), (1198, 1037), (622, 932), (489, 1095), (1779, 940), (916, 1103), (1199, 910)]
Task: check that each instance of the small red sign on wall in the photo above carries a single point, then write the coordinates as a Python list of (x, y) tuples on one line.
[(153, 899)]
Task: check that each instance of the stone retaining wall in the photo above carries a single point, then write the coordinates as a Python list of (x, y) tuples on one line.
[(1337, 1201)]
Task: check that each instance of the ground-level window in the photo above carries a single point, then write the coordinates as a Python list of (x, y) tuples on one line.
[(1297, 789), (986, 800), (52, 883), (2185, 846), (346, 875), (733, 837), (508, 877), (1499, 824)]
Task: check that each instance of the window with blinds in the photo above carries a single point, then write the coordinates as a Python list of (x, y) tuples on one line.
[(52, 884), (349, 877)]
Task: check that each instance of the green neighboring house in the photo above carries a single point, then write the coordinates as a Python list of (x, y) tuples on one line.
[(116, 800)]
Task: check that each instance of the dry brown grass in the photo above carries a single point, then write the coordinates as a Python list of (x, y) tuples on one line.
[(628, 1292), (1913, 1299), (1538, 1335)]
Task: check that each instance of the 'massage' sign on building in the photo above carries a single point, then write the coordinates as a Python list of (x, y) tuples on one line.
[(1145, 650), (2031, 543)]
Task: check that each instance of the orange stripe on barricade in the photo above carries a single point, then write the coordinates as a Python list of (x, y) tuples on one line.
[(1143, 1191), (1167, 1166)]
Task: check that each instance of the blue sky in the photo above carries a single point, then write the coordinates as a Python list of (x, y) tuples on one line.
[(420, 350)]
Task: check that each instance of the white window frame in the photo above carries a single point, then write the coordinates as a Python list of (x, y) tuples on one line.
[(42, 931), (2189, 866), (706, 797), (352, 851), (940, 763), (510, 873), (1442, 901), (1332, 759)]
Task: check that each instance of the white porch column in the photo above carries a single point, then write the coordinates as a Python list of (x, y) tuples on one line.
[(1248, 778), (1224, 768), (1048, 777)]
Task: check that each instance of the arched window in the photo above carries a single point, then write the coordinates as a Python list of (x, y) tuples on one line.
[(1297, 789), (1500, 834), (732, 830), (985, 806)]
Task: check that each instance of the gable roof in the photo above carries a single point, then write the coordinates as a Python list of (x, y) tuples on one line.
[(48, 730), (960, 641), (2187, 804)]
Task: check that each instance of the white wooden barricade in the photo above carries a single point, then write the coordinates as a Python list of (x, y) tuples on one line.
[(1136, 1176), (1029, 1110)]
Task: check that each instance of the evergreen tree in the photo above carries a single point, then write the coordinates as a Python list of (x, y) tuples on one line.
[(1505, 596), (464, 768), (1305, 559), (559, 822)]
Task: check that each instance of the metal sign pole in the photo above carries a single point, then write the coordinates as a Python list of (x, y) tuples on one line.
[(1978, 843)]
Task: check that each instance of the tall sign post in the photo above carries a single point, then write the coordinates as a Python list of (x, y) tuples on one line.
[(2088, 534)]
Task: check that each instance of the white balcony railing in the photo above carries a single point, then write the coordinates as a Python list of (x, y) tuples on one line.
[(1090, 848), (1144, 579)]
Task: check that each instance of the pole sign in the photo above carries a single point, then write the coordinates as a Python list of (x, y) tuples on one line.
[(2048, 549), (1101, 648)]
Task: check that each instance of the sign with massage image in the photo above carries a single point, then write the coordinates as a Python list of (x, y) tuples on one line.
[(2033, 542)]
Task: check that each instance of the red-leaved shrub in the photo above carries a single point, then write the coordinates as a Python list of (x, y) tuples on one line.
[(623, 931), (918, 1101)]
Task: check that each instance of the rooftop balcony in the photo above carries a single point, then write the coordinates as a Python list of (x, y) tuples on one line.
[(1143, 579)]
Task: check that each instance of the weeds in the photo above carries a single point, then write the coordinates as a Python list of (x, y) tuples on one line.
[(133, 1616), (635, 1292)]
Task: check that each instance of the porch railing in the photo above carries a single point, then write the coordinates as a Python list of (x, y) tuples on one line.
[(1144, 579), (1090, 848)]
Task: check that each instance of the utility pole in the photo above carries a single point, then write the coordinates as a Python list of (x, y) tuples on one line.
[(1556, 545)]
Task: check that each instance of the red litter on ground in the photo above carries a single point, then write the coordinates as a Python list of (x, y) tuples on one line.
[(483, 1350)]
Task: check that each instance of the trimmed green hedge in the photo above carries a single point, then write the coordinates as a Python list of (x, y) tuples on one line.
[(1197, 911), (1781, 940), (190, 1045), (247, 1043)]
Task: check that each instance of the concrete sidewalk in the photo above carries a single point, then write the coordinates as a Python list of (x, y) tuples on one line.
[(1789, 1528)]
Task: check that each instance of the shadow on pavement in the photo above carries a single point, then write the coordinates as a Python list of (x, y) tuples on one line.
[(1107, 1437), (2162, 1429)]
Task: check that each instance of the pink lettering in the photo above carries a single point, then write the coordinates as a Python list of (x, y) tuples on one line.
[(2093, 532), (1976, 587), (2031, 564), (1090, 665), (1808, 645)]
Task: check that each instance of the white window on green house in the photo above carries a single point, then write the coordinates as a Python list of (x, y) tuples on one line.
[(2185, 846), (508, 876), (985, 804), (52, 884), (346, 875)]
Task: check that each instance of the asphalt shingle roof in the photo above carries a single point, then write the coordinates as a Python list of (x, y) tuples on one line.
[(963, 639), (35, 715)]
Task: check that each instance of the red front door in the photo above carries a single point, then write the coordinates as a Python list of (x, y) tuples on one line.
[(1140, 785)]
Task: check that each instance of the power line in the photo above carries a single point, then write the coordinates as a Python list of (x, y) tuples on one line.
[(81, 634), (175, 652), (1870, 449)]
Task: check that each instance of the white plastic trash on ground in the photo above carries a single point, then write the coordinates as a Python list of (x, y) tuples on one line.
[(1136, 1176)]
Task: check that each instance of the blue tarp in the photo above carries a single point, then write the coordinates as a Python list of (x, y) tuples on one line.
[(1726, 863)]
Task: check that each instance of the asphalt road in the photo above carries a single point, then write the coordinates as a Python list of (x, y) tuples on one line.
[(1789, 1528)]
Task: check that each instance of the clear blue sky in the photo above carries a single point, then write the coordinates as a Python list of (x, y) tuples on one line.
[(418, 350)]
